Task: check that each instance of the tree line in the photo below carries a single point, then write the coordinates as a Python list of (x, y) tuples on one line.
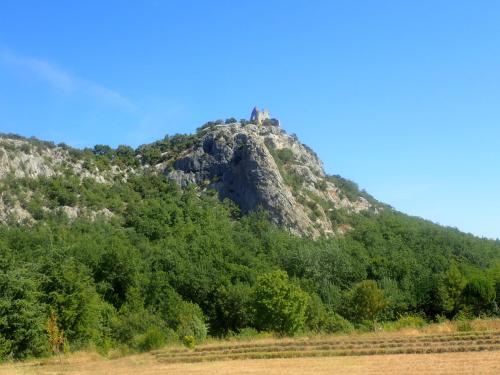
[(174, 265)]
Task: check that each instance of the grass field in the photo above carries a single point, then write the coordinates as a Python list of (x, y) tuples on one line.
[(480, 363), (439, 349)]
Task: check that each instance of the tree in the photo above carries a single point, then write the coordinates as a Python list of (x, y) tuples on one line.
[(279, 305), (22, 315), (479, 295), (56, 335), (366, 301), (449, 290), (231, 308), (70, 292)]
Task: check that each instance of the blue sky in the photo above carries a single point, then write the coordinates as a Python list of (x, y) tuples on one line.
[(402, 97)]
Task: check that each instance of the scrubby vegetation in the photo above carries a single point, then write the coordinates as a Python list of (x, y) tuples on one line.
[(169, 265)]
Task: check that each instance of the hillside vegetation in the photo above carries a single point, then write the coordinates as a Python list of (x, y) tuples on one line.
[(99, 250)]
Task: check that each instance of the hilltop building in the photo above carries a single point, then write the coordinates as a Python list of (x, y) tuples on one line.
[(259, 117)]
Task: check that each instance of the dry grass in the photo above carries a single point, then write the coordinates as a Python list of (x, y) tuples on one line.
[(439, 348), (450, 363)]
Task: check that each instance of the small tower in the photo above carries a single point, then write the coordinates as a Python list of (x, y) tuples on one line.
[(258, 117)]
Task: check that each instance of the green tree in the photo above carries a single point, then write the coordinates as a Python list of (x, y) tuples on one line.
[(232, 308), (449, 290), (70, 291), (365, 301), (479, 295), (279, 305), (22, 315)]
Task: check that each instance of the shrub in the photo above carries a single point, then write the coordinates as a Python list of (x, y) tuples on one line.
[(192, 322), (334, 323), (22, 315), (366, 301), (404, 321), (248, 333), (278, 304), (463, 322), (152, 339), (285, 155), (189, 341), (479, 294)]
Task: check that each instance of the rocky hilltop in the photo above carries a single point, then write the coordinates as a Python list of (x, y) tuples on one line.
[(262, 166), (255, 166)]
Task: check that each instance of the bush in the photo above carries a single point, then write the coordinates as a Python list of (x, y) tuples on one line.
[(152, 339), (334, 323), (192, 322), (463, 322), (278, 304), (22, 316), (189, 341), (248, 333), (405, 321), (285, 155), (366, 301)]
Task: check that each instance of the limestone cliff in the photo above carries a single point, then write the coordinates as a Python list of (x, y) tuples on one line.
[(263, 167), (257, 167)]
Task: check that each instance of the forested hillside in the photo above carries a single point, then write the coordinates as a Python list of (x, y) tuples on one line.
[(131, 259)]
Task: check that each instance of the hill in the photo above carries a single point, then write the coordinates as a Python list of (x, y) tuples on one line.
[(256, 167), (229, 231)]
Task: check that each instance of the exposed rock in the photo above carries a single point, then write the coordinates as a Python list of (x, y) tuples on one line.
[(14, 212), (256, 166), (70, 212), (242, 163)]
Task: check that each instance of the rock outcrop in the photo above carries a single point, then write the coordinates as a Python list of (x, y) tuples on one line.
[(263, 167), (255, 166)]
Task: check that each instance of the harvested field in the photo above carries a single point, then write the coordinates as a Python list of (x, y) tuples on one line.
[(479, 363), (334, 347), (441, 353)]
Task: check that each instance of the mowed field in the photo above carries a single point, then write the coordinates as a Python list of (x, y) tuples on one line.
[(405, 352)]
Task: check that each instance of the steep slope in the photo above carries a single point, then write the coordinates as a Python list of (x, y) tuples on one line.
[(103, 243), (257, 167), (24, 162), (262, 166)]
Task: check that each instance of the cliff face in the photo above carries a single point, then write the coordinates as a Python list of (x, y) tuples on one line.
[(262, 166), (257, 167)]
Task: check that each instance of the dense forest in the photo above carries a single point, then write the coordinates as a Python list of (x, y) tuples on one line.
[(173, 265)]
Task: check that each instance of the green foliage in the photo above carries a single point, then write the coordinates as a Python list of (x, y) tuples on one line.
[(232, 308), (152, 339), (365, 301), (335, 323), (22, 314), (350, 189), (404, 321), (70, 292), (450, 286), (463, 322), (285, 155), (279, 305), (172, 263), (189, 341), (480, 294), (169, 147), (191, 322)]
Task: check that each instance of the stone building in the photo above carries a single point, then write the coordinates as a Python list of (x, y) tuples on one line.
[(258, 116)]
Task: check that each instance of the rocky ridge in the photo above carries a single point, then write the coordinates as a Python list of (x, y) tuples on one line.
[(263, 166), (255, 166)]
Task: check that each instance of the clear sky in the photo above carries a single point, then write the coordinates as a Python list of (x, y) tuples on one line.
[(401, 96)]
